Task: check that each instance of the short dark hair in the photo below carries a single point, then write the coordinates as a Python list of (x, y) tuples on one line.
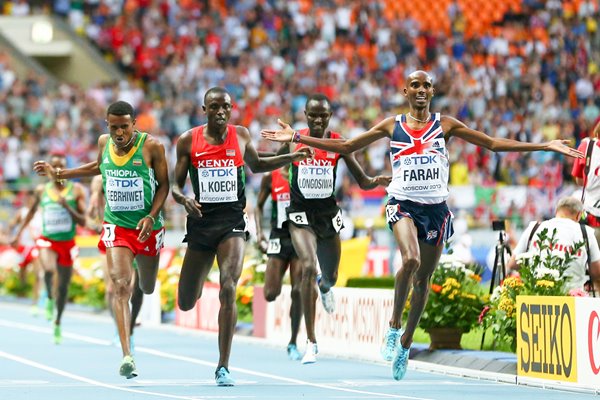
[(120, 108), (317, 97), (215, 90)]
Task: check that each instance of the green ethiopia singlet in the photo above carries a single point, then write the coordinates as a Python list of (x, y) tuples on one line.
[(129, 185), (57, 222)]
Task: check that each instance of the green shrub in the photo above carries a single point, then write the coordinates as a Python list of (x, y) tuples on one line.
[(380, 282)]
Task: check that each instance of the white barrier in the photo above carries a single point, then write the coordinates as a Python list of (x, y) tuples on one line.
[(355, 329)]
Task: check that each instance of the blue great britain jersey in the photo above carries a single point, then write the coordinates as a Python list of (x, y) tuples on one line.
[(420, 166)]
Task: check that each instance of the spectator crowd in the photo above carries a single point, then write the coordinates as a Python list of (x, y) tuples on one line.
[(524, 69)]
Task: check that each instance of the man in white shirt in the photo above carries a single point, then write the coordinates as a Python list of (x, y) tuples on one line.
[(568, 232)]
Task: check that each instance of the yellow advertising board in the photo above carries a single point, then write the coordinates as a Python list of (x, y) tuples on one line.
[(546, 337)]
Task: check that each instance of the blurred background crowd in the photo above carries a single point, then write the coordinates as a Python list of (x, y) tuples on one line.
[(523, 69)]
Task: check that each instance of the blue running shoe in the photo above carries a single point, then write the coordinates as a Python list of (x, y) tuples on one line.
[(223, 378), (293, 352), (400, 363), (390, 342)]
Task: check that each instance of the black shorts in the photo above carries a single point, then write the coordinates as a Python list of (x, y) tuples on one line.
[(323, 223), (280, 246), (206, 233), (433, 221)]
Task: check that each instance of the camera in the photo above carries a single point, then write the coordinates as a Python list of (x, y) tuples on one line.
[(499, 225)]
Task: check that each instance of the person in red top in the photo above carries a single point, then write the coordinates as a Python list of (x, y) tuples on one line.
[(314, 218), (279, 248), (215, 155), (591, 180)]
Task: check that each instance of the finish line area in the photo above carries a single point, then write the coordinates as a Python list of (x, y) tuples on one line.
[(176, 363)]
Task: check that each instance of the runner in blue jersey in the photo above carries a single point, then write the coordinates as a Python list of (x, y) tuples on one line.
[(417, 211)]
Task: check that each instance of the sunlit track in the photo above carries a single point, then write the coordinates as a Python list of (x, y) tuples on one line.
[(181, 366)]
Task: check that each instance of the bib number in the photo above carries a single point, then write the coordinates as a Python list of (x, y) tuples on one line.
[(274, 246), (298, 218), (337, 221)]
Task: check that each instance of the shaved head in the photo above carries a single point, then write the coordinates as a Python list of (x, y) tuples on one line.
[(418, 74)]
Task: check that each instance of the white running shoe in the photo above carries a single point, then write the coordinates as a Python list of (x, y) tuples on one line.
[(328, 301), (310, 357)]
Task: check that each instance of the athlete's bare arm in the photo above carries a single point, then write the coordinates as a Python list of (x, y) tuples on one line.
[(43, 168), (453, 127), (364, 181), (37, 197), (161, 173), (184, 148), (383, 129), (263, 164), (263, 195)]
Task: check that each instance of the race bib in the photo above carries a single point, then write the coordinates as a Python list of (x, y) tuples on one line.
[(281, 213), (274, 246), (57, 220), (337, 221), (298, 218), (316, 182), (125, 194), (422, 173), (217, 185)]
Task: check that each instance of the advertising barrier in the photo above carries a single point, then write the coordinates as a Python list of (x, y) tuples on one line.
[(355, 329), (558, 339)]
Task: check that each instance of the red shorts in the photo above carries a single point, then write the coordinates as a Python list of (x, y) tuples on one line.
[(29, 253), (67, 250), (117, 236)]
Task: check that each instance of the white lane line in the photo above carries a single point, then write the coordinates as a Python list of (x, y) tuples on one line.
[(158, 353), (66, 374)]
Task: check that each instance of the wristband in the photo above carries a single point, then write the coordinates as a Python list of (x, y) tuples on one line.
[(296, 137), (151, 218)]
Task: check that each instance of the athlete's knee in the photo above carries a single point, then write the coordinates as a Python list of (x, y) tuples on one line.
[(296, 292), (410, 264), (185, 303), (227, 293), (146, 288), (122, 287), (271, 293)]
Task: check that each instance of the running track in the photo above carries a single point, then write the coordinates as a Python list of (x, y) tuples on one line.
[(179, 364)]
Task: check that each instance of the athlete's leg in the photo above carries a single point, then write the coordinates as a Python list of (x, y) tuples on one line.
[(230, 258), (119, 262), (137, 298), (36, 270), (195, 269), (273, 277), (305, 244), (405, 233), (147, 271), (296, 307), (430, 256), (329, 251), (48, 259), (64, 279)]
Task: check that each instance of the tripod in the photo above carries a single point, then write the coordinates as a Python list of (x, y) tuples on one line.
[(499, 268)]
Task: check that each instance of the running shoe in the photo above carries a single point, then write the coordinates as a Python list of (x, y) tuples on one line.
[(57, 334), (223, 377), (327, 299), (400, 363), (293, 352), (49, 309), (127, 368), (390, 342), (34, 310), (310, 357)]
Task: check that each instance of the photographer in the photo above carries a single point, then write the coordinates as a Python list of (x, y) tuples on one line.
[(568, 232)]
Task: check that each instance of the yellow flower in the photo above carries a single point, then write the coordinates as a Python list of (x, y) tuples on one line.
[(544, 283), (507, 305), (513, 282)]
